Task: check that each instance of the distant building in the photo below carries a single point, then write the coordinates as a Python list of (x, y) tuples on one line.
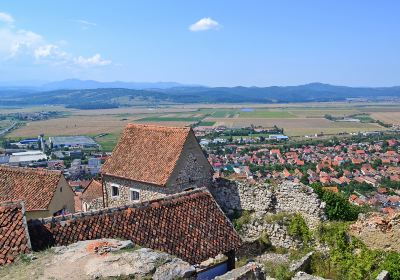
[(45, 193), (154, 161), (75, 142), (26, 143), (278, 137), (26, 157)]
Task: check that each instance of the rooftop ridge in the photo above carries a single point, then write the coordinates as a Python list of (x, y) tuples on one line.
[(185, 128), (30, 169)]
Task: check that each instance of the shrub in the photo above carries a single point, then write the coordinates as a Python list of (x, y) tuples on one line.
[(278, 271), (245, 218), (299, 229), (337, 206)]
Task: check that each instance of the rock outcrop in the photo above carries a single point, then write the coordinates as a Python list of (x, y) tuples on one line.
[(251, 271), (104, 258)]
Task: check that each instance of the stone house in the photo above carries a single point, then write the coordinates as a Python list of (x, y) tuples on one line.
[(45, 193), (92, 196), (150, 162)]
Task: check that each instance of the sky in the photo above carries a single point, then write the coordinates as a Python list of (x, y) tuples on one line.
[(210, 42)]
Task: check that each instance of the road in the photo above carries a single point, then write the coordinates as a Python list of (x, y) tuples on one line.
[(6, 130)]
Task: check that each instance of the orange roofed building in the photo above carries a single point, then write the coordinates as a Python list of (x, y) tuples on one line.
[(151, 161), (44, 193)]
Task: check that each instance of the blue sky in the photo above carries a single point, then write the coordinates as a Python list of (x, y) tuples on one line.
[(216, 42)]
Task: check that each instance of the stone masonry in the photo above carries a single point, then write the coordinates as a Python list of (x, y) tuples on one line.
[(287, 197)]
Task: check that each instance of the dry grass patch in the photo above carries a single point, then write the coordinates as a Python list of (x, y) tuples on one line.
[(300, 126)]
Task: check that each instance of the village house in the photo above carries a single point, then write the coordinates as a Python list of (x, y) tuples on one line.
[(44, 193), (150, 162), (92, 196)]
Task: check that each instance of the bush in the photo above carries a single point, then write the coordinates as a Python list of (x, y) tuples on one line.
[(337, 207), (392, 265), (349, 258), (299, 229), (245, 218)]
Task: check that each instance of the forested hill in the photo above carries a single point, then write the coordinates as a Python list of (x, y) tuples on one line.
[(114, 97)]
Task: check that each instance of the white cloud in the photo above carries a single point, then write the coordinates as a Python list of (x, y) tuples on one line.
[(45, 51), (95, 60), (7, 18), (15, 42), (204, 24), (84, 23)]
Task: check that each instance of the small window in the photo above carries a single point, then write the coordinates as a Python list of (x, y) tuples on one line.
[(134, 195), (115, 191)]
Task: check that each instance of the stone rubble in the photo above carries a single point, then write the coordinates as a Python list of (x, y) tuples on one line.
[(304, 276), (303, 264), (251, 271)]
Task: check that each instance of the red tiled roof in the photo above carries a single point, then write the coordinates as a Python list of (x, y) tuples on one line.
[(331, 189), (14, 238), (147, 153), (35, 187), (93, 190), (189, 225)]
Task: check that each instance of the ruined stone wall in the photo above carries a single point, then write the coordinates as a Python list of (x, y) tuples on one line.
[(299, 198), (236, 196), (276, 231), (14, 237), (287, 197)]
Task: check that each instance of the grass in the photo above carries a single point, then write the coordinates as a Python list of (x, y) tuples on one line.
[(267, 114), (108, 142), (169, 119), (206, 123), (224, 113)]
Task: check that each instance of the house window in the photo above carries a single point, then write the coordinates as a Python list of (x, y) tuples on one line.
[(134, 194), (114, 191)]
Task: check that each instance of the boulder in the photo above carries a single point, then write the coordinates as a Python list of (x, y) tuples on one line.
[(251, 271)]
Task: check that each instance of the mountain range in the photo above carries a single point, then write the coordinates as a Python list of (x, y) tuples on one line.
[(93, 94)]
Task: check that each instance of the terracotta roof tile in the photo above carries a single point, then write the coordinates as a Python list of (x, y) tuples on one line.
[(147, 153), (189, 225), (92, 191), (14, 239), (35, 187)]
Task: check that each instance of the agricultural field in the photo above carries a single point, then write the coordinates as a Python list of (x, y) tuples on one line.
[(300, 126), (261, 113), (387, 117), (296, 119), (5, 123)]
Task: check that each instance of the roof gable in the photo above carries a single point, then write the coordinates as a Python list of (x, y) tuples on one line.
[(147, 153), (35, 187), (92, 191)]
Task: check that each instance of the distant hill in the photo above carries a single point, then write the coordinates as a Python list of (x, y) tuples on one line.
[(90, 84), (93, 98)]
